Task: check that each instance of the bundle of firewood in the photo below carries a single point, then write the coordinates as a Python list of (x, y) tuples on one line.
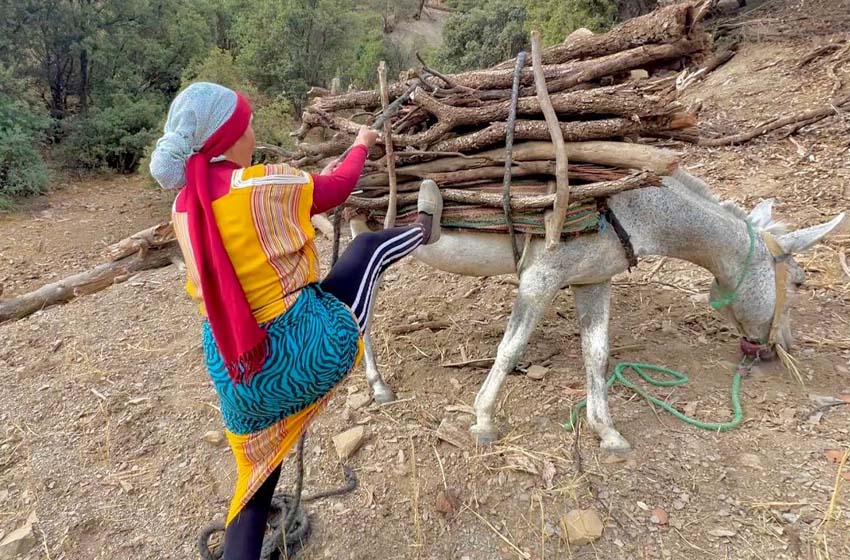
[(608, 91)]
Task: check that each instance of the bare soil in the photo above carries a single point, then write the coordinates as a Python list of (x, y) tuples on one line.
[(106, 400)]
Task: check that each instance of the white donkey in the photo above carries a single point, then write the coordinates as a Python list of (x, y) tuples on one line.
[(683, 220)]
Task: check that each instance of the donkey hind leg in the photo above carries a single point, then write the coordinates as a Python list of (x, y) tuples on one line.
[(537, 288), (593, 306), (381, 392)]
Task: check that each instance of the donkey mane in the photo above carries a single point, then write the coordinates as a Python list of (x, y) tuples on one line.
[(700, 188)]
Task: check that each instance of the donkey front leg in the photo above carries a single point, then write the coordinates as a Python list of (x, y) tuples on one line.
[(381, 392), (593, 305), (536, 289)]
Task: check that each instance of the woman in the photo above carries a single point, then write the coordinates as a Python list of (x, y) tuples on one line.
[(277, 340)]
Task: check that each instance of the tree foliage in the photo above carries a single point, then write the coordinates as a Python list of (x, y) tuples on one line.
[(483, 33)]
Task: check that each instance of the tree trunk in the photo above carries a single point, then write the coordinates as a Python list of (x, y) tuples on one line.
[(84, 283), (83, 91)]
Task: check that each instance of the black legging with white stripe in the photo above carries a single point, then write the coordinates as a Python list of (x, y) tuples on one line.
[(353, 280)]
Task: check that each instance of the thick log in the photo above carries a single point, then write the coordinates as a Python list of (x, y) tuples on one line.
[(575, 131), (615, 154), (154, 237), (660, 26), (84, 283), (519, 203)]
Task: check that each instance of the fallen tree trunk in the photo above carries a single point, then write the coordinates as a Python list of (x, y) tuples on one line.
[(518, 202), (84, 283), (154, 237)]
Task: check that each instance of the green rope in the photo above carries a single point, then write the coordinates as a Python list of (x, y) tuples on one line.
[(678, 379), (732, 296)]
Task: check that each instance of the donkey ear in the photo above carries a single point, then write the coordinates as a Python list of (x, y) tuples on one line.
[(798, 241), (762, 214)]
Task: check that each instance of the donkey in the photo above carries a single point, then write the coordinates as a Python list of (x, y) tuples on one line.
[(681, 219)]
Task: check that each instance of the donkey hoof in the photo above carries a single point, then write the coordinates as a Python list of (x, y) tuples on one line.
[(484, 434), (615, 443), (383, 394)]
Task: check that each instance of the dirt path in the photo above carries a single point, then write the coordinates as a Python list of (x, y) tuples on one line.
[(106, 400)]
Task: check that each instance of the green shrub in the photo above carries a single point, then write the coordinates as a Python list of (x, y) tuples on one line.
[(114, 137), (22, 133), (483, 35)]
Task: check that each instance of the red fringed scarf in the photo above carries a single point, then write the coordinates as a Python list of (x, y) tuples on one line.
[(241, 342)]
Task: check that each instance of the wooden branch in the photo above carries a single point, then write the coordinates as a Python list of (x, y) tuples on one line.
[(616, 154), (155, 237), (555, 223), (84, 283), (573, 131), (710, 66), (813, 115), (519, 203), (660, 26), (389, 221), (509, 148)]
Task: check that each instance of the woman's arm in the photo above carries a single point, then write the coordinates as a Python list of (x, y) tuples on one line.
[(329, 191)]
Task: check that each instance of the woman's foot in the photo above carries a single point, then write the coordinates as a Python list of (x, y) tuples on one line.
[(430, 208)]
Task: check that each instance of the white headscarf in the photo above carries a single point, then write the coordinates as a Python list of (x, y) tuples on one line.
[(195, 114)]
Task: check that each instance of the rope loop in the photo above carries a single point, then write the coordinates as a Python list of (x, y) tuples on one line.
[(677, 378)]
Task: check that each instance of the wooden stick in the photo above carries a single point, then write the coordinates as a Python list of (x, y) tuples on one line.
[(389, 220), (519, 203), (509, 148), (813, 115), (84, 283), (555, 223)]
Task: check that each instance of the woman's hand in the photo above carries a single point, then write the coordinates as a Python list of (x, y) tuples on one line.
[(366, 136)]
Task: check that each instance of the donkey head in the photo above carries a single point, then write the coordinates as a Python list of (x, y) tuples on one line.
[(765, 291)]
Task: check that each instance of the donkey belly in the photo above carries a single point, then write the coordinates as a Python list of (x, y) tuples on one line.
[(471, 254)]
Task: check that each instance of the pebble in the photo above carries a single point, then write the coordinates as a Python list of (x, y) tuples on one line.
[(214, 437), (447, 502), (20, 541), (750, 460), (583, 526), (721, 532), (349, 441), (659, 517), (358, 400), (537, 372)]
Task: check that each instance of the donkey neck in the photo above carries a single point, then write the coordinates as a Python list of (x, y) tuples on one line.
[(678, 223)]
